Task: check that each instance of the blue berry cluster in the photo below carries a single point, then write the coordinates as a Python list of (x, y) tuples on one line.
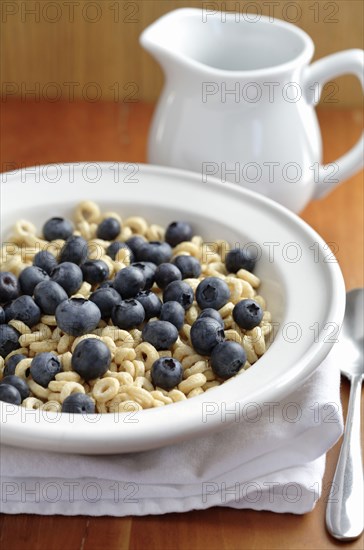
[(48, 287)]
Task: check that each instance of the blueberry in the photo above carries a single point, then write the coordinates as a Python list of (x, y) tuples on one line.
[(148, 269), (91, 358), (239, 258), (48, 295), (129, 281), (30, 277), (174, 313), (44, 368), (8, 340), (227, 358), (11, 363), (24, 309), (178, 232), (2, 316), (45, 260), (9, 394), (189, 266), (105, 299), (18, 383), (57, 228), (150, 302), (166, 273), (206, 334), (166, 373), (114, 248), (134, 243), (78, 403), (9, 287), (128, 314), (212, 292), (161, 334), (107, 284), (108, 229), (155, 251), (247, 314), (210, 312), (68, 276), (77, 316), (180, 292), (94, 271), (74, 250)]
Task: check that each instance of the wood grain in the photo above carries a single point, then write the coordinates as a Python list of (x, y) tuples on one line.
[(46, 46), (34, 133)]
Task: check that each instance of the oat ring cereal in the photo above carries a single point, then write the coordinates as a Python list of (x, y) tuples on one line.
[(111, 315)]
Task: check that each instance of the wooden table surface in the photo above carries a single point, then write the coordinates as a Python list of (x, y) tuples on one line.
[(42, 132)]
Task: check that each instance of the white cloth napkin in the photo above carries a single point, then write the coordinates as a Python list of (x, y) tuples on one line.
[(275, 461)]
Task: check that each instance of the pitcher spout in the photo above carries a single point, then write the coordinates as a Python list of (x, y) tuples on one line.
[(165, 38)]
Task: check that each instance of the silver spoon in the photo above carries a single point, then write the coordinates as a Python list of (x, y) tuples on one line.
[(344, 513)]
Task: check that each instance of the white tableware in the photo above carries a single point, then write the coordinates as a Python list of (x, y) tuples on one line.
[(238, 103), (344, 514), (301, 281)]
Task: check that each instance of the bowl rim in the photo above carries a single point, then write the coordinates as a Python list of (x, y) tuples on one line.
[(14, 429)]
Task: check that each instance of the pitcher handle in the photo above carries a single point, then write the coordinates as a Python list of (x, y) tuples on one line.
[(315, 76)]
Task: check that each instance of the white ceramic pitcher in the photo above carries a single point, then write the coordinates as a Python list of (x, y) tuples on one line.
[(238, 103)]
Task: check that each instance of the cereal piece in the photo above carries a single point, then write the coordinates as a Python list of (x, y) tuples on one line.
[(161, 397), (199, 366), (69, 388), (177, 395), (139, 368), (45, 345), (137, 225), (66, 361), (101, 408), (194, 381), (191, 360), (235, 287), (49, 320), (53, 406), (128, 367), (155, 233), (105, 389), (54, 396), (56, 385), (147, 353), (87, 211), (249, 277), (22, 351), (124, 378), (192, 314), (249, 348), (38, 390), (85, 289), (20, 326), (196, 391), (141, 396), (233, 336), (22, 368), (129, 406), (187, 247), (65, 343), (32, 403)]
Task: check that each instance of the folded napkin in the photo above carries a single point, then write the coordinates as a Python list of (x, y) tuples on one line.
[(272, 459)]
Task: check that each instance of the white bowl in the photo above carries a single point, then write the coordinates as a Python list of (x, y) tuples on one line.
[(301, 281)]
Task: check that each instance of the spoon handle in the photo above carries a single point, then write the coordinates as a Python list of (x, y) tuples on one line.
[(344, 513)]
